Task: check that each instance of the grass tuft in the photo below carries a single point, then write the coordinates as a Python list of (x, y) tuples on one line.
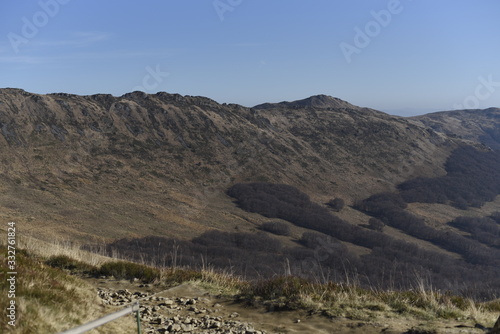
[(50, 300), (130, 271), (174, 276), (73, 266)]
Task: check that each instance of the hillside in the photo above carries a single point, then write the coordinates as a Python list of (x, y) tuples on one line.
[(82, 289), (473, 124), (182, 180), (82, 164), (285, 198)]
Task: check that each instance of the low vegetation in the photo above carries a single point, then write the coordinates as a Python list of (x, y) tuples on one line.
[(319, 273), (473, 178), (53, 296), (48, 300), (350, 301), (70, 264), (277, 228), (129, 271), (483, 229), (337, 204), (392, 262), (388, 208)]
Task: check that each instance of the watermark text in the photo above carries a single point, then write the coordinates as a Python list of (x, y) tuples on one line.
[(11, 273), (152, 79), (31, 26), (223, 6), (483, 91), (373, 28)]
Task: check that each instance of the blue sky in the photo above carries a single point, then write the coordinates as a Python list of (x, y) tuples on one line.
[(404, 57)]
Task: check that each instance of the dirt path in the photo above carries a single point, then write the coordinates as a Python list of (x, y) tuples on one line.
[(189, 308)]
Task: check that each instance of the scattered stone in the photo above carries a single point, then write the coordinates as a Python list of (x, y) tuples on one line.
[(186, 327), (178, 315), (174, 328)]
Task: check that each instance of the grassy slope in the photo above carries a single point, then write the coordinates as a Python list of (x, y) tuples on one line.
[(50, 299), (113, 183)]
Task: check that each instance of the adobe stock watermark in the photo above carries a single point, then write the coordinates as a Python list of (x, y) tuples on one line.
[(31, 26), (483, 91), (152, 79), (373, 28), (223, 6)]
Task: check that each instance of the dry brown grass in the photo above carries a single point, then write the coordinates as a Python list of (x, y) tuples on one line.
[(49, 300), (350, 301), (439, 214), (58, 247)]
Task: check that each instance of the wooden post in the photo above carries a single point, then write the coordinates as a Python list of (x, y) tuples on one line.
[(137, 314)]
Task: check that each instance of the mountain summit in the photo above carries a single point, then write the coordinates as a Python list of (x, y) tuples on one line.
[(315, 101)]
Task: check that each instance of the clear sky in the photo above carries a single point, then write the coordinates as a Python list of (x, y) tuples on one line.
[(404, 57)]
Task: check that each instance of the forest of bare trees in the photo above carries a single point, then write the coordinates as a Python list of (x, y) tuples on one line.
[(321, 253)]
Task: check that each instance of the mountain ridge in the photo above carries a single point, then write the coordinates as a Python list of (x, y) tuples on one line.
[(133, 114), (480, 125), (82, 157)]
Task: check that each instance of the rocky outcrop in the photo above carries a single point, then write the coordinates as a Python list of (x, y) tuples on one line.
[(179, 315)]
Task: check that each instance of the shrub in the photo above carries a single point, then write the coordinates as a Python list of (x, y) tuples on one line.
[(390, 264), (288, 287), (390, 209), (49, 300), (473, 177), (492, 306), (245, 241), (382, 203), (129, 270), (182, 275), (484, 229), (337, 204), (376, 224), (68, 263), (496, 216), (277, 228)]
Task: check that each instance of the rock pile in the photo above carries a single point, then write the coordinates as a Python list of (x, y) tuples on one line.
[(119, 297), (179, 315)]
